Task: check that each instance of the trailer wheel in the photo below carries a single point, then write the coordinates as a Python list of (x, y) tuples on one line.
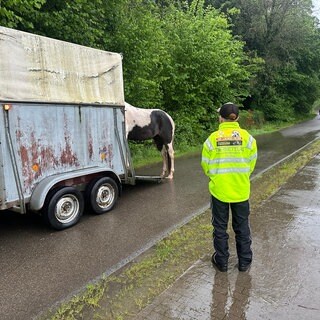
[(102, 194), (63, 207)]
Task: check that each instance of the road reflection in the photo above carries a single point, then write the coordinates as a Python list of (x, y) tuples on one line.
[(229, 302)]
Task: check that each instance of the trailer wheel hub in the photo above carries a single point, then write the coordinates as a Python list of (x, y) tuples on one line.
[(67, 208), (105, 196)]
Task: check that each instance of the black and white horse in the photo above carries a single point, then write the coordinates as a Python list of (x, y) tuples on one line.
[(144, 124)]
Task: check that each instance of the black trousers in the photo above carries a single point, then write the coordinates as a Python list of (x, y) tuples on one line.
[(240, 224)]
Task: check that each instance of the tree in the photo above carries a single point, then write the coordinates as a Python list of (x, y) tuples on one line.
[(138, 34), (16, 13), (284, 34), (77, 21), (207, 66)]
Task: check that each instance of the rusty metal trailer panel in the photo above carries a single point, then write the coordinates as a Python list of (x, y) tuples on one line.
[(62, 128), (47, 145)]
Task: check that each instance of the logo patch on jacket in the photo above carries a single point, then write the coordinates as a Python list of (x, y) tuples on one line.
[(233, 140)]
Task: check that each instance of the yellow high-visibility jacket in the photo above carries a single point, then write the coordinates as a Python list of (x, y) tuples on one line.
[(229, 156)]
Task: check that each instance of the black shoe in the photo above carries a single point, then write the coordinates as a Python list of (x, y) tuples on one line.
[(244, 267), (220, 267)]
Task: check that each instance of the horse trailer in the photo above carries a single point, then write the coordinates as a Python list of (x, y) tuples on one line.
[(63, 144)]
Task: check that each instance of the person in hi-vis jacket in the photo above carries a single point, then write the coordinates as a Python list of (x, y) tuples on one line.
[(228, 158)]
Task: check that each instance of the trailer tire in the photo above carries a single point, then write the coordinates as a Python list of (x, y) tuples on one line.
[(63, 207), (102, 195)]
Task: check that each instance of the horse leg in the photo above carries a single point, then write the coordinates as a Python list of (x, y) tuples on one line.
[(170, 159), (164, 154), (167, 157)]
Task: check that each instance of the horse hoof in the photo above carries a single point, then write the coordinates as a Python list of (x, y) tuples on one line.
[(170, 177)]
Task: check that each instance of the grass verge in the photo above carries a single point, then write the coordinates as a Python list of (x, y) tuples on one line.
[(145, 153), (124, 293)]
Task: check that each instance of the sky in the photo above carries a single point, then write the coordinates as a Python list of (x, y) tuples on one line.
[(316, 9)]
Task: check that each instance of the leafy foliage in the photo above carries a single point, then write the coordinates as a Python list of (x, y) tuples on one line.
[(285, 35), (17, 13), (207, 67), (189, 57), (76, 21), (138, 35)]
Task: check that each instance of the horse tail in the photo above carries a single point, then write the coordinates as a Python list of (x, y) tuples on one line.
[(172, 127), (169, 149)]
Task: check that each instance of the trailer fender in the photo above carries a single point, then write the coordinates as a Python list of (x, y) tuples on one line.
[(40, 192)]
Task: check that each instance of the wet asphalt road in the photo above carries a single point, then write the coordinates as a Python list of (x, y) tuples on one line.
[(40, 267), (283, 281)]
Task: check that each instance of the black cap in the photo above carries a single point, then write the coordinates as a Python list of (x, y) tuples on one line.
[(229, 111)]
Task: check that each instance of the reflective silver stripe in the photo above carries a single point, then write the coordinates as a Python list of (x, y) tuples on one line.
[(253, 157), (209, 145), (229, 170), (250, 142), (206, 160), (228, 160)]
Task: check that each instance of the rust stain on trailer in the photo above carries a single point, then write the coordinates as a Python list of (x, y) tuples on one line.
[(28, 155), (39, 157), (24, 161), (90, 147), (35, 160), (47, 158), (67, 155)]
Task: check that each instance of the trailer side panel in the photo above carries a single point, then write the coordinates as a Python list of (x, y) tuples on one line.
[(48, 139)]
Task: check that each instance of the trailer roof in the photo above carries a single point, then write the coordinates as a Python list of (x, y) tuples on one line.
[(40, 69)]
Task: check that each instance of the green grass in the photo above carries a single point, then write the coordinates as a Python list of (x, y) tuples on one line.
[(270, 127), (130, 289), (277, 125), (146, 153)]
